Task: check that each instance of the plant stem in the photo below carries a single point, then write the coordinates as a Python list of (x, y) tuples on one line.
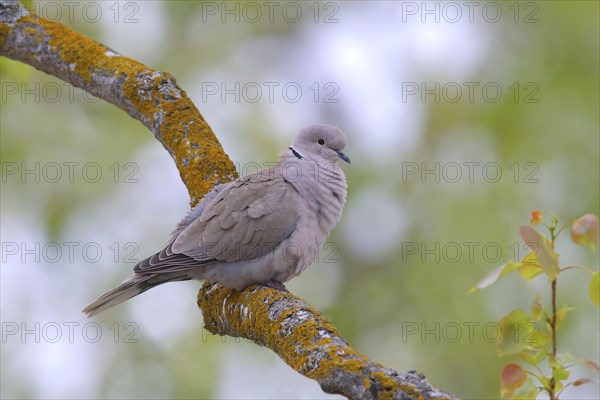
[(554, 317), (553, 329), (553, 236)]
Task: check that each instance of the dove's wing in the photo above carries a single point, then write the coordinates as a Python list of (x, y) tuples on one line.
[(246, 220)]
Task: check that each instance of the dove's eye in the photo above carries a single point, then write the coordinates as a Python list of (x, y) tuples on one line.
[(321, 141)]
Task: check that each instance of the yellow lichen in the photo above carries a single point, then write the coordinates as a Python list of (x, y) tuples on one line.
[(223, 311), (5, 31), (389, 384), (34, 32), (72, 47), (303, 336), (183, 125)]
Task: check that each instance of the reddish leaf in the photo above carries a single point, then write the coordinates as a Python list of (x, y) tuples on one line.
[(585, 231), (582, 381), (513, 376), (536, 218), (590, 365), (537, 310)]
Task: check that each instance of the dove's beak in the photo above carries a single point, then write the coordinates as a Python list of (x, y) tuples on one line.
[(343, 156)]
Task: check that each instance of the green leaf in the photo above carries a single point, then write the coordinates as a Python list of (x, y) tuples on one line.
[(585, 231), (530, 267), (494, 276), (537, 310), (565, 358), (528, 391), (594, 289), (561, 314), (543, 249), (553, 362), (513, 377), (545, 382), (514, 328), (560, 374), (533, 357), (558, 385)]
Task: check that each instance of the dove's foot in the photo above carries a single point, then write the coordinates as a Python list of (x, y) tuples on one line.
[(273, 284)]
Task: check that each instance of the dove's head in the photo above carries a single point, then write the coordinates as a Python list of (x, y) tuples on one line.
[(324, 141)]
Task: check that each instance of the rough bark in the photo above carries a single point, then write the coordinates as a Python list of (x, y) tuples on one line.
[(307, 342), (298, 333)]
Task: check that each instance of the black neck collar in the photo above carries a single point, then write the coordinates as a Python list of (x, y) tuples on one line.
[(298, 155)]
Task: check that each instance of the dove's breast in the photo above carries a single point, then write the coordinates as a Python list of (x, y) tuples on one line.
[(324, 196)]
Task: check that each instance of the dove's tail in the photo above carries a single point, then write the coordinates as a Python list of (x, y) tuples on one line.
[(130, 288)]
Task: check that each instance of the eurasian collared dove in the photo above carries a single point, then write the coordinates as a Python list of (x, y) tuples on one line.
[(266, 227)]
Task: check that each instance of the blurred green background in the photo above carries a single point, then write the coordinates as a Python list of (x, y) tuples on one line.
[(461, 119)]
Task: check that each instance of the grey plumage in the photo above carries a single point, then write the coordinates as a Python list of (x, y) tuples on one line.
[(267, 226)]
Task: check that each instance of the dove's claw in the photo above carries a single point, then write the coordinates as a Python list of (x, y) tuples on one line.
[(273, 284)]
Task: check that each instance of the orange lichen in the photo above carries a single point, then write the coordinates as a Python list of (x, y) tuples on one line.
[(197, 153), (390, 386), (5, 30), (36, 33), (222, 312), (73, 48)]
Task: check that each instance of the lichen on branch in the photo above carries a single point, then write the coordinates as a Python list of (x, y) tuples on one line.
[(307, 342)]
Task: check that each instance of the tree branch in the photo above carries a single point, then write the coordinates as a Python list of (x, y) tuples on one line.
[(298, 333), (307, 342)]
